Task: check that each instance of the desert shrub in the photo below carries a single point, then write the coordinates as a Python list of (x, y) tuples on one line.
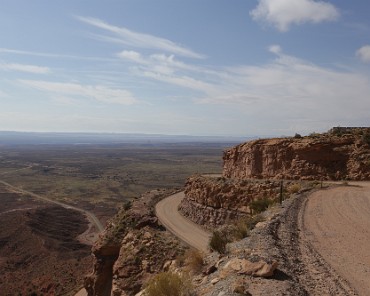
[(218, 242), (294, 188), (194, 260), (254, 220), (297, 136), (168, 284), (240, 229), (259, 205), (314, 135)]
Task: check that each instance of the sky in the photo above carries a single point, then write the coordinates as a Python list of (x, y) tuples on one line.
[(194, 67)]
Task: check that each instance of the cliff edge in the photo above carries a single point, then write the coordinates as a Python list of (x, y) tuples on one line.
[(340, 154)]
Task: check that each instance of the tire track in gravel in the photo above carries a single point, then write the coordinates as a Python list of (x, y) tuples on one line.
[(337, 224), (300, 261)]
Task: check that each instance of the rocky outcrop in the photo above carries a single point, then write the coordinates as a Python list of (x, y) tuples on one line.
[(340, 154), (336, 155), (244, 266), (213, 201), (126, 254)]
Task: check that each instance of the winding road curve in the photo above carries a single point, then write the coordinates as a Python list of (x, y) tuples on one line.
[(189, 232), (336, 222), (92, 218)]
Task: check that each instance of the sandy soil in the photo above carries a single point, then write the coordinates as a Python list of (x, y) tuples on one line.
[(337, 223), (191, 233)]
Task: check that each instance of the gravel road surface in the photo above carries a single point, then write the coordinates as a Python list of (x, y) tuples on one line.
[(191, 233), (337, 224)]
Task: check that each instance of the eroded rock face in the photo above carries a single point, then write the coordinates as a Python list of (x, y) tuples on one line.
[(127, 252), (326, 156), (337, 155), (213, 201)]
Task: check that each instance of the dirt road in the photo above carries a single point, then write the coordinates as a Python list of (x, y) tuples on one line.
[(90, 216), (337, 224), (186, 230)]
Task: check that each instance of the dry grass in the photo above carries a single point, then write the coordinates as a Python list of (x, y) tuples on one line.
[(259, 205), (168, 284), (294, 188), (194, 260)]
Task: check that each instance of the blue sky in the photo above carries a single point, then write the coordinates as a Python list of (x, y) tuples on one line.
[(209, 67)]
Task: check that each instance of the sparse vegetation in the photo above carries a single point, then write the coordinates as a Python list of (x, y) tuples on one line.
[(259, 205), (294, 188), (297, 136), (194, 260), (168, 284), (241, 229), (218, 242)]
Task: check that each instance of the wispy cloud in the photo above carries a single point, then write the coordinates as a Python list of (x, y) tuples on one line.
[(139, 40), (25, 68), (97, 92), (51, 55), (168, 69), (296, 90), (288, 85), (283, 13), (364, 53)]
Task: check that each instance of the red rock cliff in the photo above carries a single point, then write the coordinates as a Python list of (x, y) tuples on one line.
[(329, 156)]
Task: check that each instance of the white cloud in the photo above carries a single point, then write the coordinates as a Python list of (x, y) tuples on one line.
[(275, 49), (25, 68), (283, 13), (288, 88), (364, 53), (97, 92), (131, 56), (140, 40)]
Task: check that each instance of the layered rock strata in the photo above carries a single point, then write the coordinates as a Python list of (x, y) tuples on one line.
[(340, 154), (213, 201), (336, 155)]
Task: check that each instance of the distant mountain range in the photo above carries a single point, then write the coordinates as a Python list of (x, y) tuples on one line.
[(50, 138)]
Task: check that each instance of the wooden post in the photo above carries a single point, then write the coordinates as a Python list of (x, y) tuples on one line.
[(281, 192)]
